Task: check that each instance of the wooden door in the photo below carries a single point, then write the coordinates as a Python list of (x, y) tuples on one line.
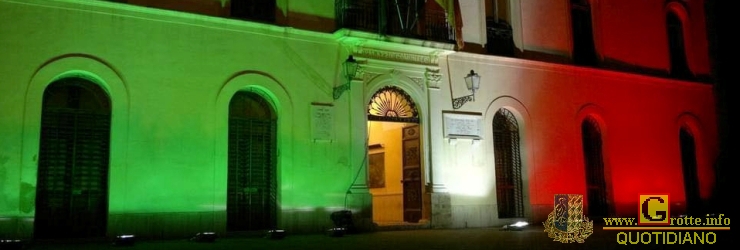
[(251, 185), (72, 191), (411, 174)]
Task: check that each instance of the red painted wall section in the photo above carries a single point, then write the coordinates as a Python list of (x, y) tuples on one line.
[(631, 32), (546, 26), (639, 118), (641, 146), (634, 32)]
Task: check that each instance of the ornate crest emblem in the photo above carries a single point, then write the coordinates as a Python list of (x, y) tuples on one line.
[(566, 222)]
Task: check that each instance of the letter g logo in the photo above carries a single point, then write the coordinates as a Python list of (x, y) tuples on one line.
[(654, 210)]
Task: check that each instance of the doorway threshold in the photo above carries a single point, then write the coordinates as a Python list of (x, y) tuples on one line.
[(398, 226)]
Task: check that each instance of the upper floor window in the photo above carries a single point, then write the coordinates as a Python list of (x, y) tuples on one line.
[(256, 10), (584, 50), (677, 47), (411, 18), (499, 34), (253, 10)]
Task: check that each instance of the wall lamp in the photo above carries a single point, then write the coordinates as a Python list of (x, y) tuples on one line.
[(472, 81), (349, 69)]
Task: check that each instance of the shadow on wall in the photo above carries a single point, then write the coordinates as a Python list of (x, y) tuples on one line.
[(27, 197)]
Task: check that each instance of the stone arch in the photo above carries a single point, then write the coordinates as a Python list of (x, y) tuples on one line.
[(99, 72)]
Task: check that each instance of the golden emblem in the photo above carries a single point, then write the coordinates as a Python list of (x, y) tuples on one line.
[(566, 222)]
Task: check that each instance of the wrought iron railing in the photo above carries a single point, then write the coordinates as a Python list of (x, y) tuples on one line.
[(396, 18), (500, 39)]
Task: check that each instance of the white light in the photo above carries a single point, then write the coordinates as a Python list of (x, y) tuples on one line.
[(519, 224)]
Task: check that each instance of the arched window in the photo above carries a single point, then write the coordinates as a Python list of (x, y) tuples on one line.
[(72, 184), (688, 162), (677, 47), (252, 165), (509, 193), (598, 206)]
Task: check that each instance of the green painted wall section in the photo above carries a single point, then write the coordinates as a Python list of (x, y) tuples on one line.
[(170, 77)]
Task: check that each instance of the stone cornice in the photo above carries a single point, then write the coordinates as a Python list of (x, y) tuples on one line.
[(394, 52), (397, 56)]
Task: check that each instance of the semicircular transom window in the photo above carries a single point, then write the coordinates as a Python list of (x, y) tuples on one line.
[(392, 104)]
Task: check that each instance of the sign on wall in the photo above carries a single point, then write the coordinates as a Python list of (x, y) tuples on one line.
[(462, 124), (322, 122)]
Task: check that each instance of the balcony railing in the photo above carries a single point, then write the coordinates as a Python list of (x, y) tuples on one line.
[(394, 18), (500, 39)]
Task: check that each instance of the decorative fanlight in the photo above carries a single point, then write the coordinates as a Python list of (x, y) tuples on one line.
[(392, 104)]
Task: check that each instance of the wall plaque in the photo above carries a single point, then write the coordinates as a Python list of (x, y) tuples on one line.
[(462, 125), (322, 122)]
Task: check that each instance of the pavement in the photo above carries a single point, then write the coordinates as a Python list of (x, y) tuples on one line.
[(532, 237)]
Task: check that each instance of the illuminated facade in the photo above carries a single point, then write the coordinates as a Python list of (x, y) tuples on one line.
[(166, 118)]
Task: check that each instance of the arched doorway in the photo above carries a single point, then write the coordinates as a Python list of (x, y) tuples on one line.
[(73, 166), (395, 162), (252, 165), (509, 190)]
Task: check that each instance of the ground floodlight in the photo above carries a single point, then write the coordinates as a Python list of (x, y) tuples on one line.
[(204, 237), (11, 244), (336, 232), (125, 240), (517, 226), (275, 234)]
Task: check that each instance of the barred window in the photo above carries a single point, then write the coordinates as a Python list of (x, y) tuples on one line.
[(509, 193), (595, 179)]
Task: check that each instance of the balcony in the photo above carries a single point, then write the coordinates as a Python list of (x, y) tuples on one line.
[(418, 20), (500, 39)]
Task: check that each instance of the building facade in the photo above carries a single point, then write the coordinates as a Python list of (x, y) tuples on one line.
[(167, 118)]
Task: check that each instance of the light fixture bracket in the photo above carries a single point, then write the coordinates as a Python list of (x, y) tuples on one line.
[(349, 70), (472, 83)]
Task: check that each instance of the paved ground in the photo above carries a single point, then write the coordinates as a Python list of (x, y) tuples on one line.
[(468, 239)]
